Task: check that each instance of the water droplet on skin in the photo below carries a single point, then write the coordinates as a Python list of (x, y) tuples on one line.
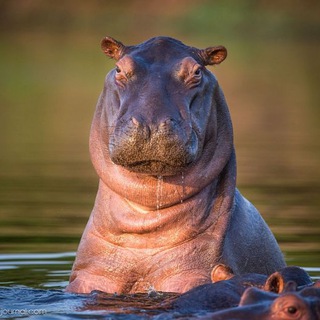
[(183, 190), (159, 192)]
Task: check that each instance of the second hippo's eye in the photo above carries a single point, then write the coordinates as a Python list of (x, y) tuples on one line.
[(292, 310), (118, 70)]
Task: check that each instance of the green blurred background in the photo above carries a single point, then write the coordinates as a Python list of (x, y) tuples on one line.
[(52, 72)]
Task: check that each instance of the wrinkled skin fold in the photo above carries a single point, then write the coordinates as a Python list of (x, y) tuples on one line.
[(167, 209)]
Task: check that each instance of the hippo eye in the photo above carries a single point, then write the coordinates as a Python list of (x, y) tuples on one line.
[(120, 77), (197, 72), (292, 310)]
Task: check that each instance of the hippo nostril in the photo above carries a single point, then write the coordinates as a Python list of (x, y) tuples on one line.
[(141, 128), (167, 124)]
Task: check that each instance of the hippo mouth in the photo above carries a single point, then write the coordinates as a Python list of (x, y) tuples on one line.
[(156, 167), (161, 155), (164, 161)]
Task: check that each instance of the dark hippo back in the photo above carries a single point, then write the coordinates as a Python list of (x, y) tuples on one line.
[(220, 295)]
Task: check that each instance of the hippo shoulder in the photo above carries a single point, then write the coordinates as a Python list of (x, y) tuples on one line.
[(249, 241)]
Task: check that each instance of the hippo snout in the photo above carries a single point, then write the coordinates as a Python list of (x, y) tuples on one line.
[(162, 148)]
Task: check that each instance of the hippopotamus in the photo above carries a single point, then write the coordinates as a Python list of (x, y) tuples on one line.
[(257, 304), (227, 288), (167, 208)]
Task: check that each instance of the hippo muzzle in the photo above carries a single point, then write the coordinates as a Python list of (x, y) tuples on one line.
[(164, 149)]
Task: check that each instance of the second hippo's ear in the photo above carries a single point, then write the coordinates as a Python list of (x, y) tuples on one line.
[(112, 48), (275, 283), (213, 55)]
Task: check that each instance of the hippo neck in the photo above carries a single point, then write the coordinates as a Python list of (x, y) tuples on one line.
[(151, 193), (206, 212), (169, 210)]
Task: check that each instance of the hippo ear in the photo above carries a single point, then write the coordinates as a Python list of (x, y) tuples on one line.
[(221, 272), (112, 48), (213, 55), (275, 283)]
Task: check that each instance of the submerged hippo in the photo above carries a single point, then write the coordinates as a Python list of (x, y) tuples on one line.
[(256, 304), (167, 208), (227, 288)]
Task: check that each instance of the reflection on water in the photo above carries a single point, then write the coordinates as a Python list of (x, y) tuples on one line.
[(38, 270)]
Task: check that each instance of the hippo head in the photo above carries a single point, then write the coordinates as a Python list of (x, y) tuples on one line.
[(159, 100), (290, 304), (293, 306)]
